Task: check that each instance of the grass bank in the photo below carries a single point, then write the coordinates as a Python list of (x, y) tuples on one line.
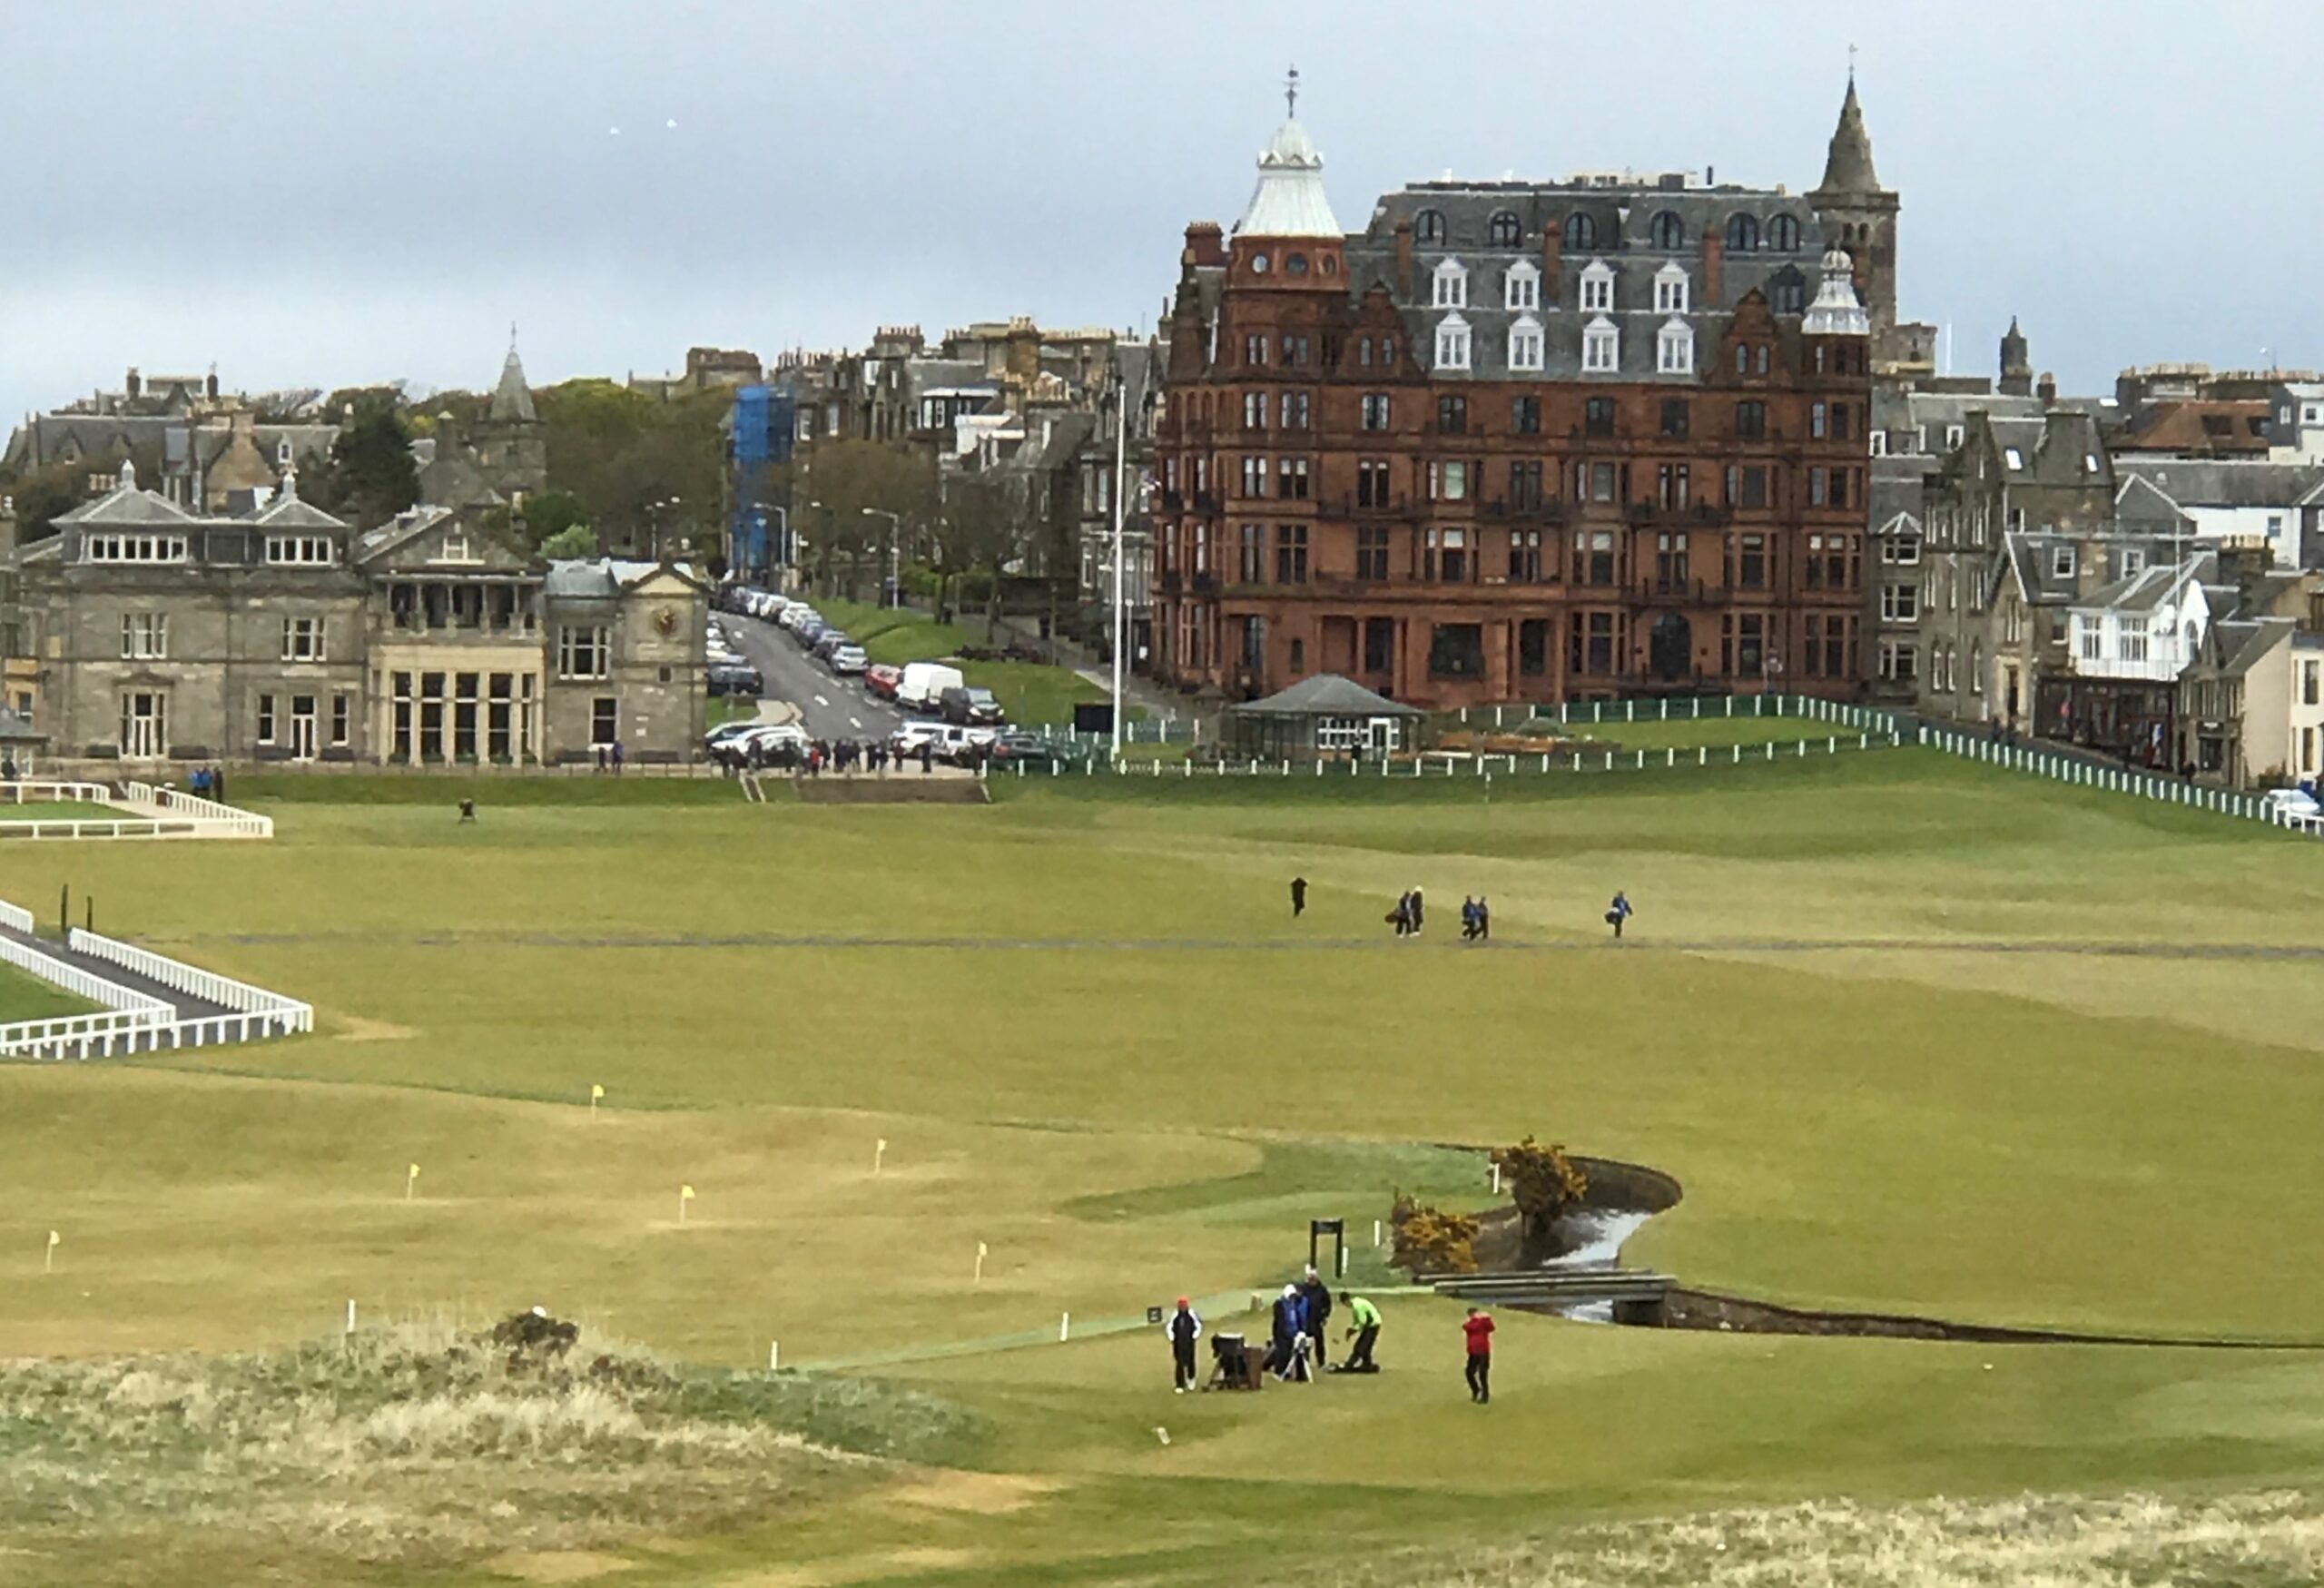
[(23, 996)]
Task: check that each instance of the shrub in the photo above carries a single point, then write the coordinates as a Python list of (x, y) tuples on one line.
[(1544, 1183)]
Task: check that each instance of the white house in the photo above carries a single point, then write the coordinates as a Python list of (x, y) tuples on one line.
[(2217, 499)]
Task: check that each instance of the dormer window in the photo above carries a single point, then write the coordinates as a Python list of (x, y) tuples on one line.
[(1782, 234), (1453, 343), (282, 453), (1670, 290), (1667, 231), (2062, 562), (1602, 348), (1521, 288), (453, 547), (1581, 234), (1525, 344), (1503, 231), (2013, 458), (1674, 349), (298, 550), (1428, 226), (1597, 287), (1452, 285)]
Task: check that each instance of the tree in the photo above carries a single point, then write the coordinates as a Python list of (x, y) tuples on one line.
[(56, 487), (973, 534), (619, 454), (846, 477), (550, 514), (575, 540), (1545, 1184), (371, 477), (1429, 1240)]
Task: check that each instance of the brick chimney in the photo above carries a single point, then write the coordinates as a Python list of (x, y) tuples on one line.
[(1714, 258), (1552, 263), (2046, 388), (1206, 244), (1404, 261), (1024, 348)]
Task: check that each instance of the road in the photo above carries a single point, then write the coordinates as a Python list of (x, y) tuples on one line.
[(829, 706)]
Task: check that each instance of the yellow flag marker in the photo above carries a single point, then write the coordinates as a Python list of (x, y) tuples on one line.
[(410, 1182), (597, 1095), (685, 1195), (879, 1152), (980, 1278), (48, 1259)]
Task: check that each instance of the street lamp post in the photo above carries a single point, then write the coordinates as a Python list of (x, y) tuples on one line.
[(895, 572)]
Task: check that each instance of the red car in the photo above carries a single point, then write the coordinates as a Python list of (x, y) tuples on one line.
[(881, 680)]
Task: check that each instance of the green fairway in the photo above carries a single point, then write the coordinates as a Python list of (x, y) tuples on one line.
[(57, 811), (1913, 1035)]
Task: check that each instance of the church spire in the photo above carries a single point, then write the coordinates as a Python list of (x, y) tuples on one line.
[(1848, 166), (512, 399)]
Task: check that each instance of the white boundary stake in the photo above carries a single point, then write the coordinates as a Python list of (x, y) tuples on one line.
[(774, 1356), (1064, 1326)]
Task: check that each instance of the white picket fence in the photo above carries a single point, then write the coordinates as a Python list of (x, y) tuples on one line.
[(2042, 761), (1441, 764), (227, 821), (128, 1022), (256, 1011)]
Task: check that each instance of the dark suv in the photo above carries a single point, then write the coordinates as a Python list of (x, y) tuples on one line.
[(970, 707)]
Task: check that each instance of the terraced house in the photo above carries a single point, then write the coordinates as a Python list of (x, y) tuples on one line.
[(157, 634), (1526, 440)]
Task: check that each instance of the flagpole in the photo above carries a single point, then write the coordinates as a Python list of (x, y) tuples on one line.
[(1121, 449)]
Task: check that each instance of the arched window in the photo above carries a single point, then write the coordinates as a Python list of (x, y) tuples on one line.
[(1428, 226), (1581, 234), (1782, 234), (1787, 292), (1742, 233), (1502, 230), (1667, 231)]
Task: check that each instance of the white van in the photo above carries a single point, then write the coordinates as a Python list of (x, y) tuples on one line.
[(924, 683)]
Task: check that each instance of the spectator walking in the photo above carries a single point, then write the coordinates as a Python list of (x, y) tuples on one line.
[(1283, 1336), (1484, 920), (218, 783), (1416, 911), (618, 757), (927, 757), (603, 757), (1400, 917), (1299, 897), (1186, 1328), (1478, 1329), (1468, 918), (1617, 912), (1364, 1328)]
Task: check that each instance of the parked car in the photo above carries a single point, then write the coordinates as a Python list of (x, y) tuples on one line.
[(2294, 802), (725, 731), (829, 641), (923, 682), (1018, 747), (880, 680), (949, 741), (735, 678), (848, 661), (968, 705)]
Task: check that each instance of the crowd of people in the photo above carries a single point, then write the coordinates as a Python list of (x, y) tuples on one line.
[(817, 756), (1410, 912), (1298, 1342)]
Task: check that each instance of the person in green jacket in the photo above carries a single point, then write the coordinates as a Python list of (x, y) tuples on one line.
[(1363, 1325)]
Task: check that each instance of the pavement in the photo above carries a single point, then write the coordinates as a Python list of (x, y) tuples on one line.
[(802, 690)]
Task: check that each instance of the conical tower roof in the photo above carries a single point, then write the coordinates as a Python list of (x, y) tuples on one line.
[(512, 399), (1289, 201), (1848, 166)]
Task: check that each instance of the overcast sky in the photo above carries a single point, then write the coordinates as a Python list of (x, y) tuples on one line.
[(323, 194)]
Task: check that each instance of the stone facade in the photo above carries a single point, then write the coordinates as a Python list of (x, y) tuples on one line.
[(283, 636)]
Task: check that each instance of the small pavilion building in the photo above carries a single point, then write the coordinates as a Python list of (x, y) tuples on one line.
[(1326, 715)]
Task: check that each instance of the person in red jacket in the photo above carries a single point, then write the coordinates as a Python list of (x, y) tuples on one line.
[(1478, 1327)]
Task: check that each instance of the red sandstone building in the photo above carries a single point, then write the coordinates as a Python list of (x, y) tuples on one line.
[(1523, 442)]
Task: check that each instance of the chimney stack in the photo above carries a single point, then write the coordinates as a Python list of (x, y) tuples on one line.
[(1405, 261)]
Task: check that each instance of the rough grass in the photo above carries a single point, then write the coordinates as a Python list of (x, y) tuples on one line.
[(421, 1444), (448, 789), (2268, 1539)]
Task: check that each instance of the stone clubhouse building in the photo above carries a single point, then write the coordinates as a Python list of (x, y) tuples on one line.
[(161, 634)]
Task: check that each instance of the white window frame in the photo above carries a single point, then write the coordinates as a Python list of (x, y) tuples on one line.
[(1452, 286), (1674, 347), (300, 551), (1670, 290), (144, 636), (1520, 288), (1900, 602), (1455, 343), (1902, 550), (2062, 562), (302, 639), (2092, 645), (2130, 638), (2013, 456), (116, 547), (1597, 287), (1527, 344), (1602, 347), (2133, 561)]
